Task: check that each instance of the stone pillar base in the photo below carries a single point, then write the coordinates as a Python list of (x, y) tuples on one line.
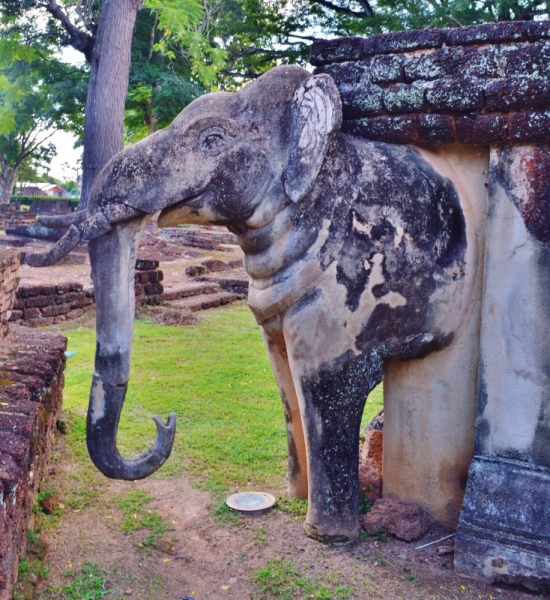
[(504, 530)]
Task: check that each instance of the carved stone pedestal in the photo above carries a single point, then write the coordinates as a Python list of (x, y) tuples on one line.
[(504, 528)]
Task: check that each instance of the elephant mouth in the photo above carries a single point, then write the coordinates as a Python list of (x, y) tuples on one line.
[(194, 209)]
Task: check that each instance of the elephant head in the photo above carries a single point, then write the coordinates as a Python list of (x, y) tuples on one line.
[(232, 159)]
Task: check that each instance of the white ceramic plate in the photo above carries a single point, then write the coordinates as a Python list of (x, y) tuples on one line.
[(250, 501)]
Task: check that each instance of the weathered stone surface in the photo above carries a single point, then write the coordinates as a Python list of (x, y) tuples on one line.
[(487, 33), (370, 465), (404, 520), (518, 93), (400, 41), (345, 74), (400, 129), (31, 383), (362, 101), (503, 534), (405, 99), (436, 128), (386, 69), (482, 129), (495, 67), (336, 51), (456, 95), (147, 265)]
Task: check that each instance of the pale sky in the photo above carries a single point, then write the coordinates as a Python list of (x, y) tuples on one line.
[(63, 166)]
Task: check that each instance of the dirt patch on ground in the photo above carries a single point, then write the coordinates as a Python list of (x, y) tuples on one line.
[(203, 557)]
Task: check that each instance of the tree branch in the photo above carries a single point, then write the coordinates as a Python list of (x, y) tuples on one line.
[(346, 11), (77, 38)]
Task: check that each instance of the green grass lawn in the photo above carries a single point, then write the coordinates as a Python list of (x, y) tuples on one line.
[(217, 378)]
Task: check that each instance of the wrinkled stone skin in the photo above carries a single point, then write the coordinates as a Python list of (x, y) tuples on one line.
[(356, 252)]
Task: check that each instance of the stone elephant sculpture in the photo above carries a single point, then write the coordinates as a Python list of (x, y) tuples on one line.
[(357, 254)]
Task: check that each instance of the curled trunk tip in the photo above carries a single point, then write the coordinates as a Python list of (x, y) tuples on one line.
[(103, 416)]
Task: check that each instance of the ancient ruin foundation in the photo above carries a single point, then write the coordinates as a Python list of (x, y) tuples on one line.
[(31, 384)]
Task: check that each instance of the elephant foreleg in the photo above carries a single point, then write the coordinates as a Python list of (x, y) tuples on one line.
[(333, 398), (297, 458)]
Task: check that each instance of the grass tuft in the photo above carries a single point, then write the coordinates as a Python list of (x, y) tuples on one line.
[(281, 579)]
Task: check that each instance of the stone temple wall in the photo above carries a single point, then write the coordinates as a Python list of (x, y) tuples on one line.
[(9, 267), (467, 429), (31, 385), (483, 84)]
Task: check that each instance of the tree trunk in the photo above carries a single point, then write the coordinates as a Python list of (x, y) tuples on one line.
[(7, 180), (110, 69)]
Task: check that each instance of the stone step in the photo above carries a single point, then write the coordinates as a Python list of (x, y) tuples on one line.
[(204, 301), (188, 290)]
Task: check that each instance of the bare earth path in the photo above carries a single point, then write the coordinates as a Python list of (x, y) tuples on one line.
[(211, 560)]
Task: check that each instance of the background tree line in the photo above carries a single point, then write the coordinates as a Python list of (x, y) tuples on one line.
[(144, 61)]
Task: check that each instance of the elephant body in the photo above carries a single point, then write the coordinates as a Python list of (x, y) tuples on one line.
[(357, 253)]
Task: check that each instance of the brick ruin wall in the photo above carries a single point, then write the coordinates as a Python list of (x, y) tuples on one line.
[(9, 267), (484, 84), (32, 364), (43, 305)]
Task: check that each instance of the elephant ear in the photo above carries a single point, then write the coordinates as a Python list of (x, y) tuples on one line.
[(316, 117)]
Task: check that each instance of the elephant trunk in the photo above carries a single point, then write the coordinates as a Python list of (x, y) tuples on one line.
[(112, 258)]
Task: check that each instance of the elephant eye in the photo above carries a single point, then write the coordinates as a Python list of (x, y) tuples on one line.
[(213, 140)]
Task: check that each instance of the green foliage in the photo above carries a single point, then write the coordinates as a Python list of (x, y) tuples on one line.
[(136, 517), (292, 506), (281, 579), (38, 95), (216, 376), (88, 584), (160, 85), (32, 567), (28, 200)]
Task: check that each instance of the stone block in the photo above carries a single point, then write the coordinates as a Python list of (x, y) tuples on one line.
[(487, 33), (152, 289), (456, 95), (398, 130), (337, 51), (153, 276), (482, 129), (16, 315), (504, 534), (402, 41), (518, 93), (48, 290), (138, 289), (21, 425), (404, 99), (362, 101), (40, 301), (31, 313), (436, 128), (529, 126), (526, 59), (424, 67), (142, 277), (538, 29), (15, 446), (146, 265), (405, 520), (74, 314), (28, 291), (346, 74), (387, 69)]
